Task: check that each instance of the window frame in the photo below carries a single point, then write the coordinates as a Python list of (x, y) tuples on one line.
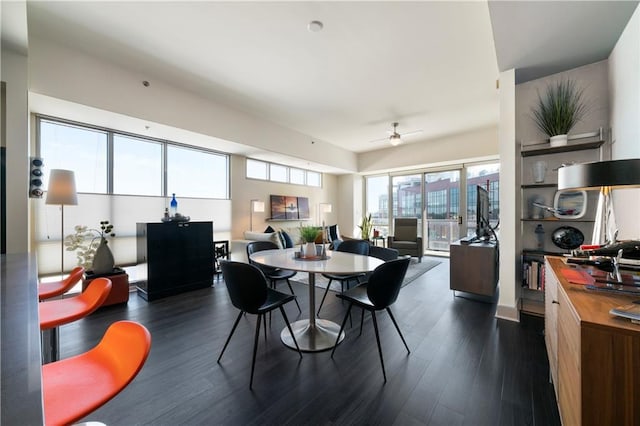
[(110, 153), (268, 178)]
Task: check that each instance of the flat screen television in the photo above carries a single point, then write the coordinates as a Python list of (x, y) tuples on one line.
[(483, 228)]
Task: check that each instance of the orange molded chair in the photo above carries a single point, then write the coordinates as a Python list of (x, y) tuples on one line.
[(55, 313), (77, 386), (57, 288)]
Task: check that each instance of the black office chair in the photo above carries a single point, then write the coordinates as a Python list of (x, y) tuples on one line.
[(348, 246), (273, 274), (249, 292), (379, 293)]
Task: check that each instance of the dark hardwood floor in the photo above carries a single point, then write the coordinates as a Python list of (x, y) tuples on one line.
[(466, 367)]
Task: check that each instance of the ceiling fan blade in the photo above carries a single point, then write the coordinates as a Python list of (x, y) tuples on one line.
[(380, 140), (413, 133)]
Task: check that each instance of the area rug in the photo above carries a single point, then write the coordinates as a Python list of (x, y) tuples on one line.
[(414, 271)]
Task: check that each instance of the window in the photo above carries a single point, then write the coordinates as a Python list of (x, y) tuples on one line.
[(137, 166), (278, 173), (297, 176), (377, 196), (487, 176), (313, 179), (89, 148), (263, 170), (257, 169), (407, 196), (196, 173)]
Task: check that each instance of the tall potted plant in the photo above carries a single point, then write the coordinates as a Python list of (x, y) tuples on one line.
[(365, 227), (559, 110)]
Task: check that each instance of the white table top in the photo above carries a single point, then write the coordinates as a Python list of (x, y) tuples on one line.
[(338, 262)]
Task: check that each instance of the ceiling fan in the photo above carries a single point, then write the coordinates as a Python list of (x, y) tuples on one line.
[(396, 138)]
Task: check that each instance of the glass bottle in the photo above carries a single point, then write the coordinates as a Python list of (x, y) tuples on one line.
[(173, 206)]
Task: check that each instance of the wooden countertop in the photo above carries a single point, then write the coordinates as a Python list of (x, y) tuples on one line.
[(20, 369), (593, 307)]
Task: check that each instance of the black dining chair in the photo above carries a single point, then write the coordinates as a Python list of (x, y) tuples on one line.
[(249, 292), (348, 246), (273, 274), (379, 293)]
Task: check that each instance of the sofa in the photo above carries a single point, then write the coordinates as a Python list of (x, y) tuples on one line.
[(284, 238)]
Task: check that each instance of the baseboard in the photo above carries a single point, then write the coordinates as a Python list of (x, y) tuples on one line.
[(510, 313)]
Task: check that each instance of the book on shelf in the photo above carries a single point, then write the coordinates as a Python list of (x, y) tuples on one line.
[(535, 270)]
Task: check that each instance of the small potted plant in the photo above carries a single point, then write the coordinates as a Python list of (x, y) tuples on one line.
[(309, 235), (560, 110)]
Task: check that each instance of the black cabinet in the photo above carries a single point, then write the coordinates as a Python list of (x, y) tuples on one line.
[(173, 257)]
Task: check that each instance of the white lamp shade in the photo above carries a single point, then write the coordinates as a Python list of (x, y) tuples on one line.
[(62, 188), (257, 206)]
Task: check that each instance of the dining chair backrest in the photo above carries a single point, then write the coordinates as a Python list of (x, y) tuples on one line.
[(385, 282), (246, 284), (354, 247), (256, 246), (383, 253)]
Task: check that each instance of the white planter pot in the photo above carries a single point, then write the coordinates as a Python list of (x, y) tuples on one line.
[(309, 249), (558, 140)]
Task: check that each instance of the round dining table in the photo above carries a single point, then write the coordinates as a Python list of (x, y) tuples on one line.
[(315, 334)]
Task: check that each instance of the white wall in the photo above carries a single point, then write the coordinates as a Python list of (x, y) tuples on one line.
[(592, 78), (509, 209), (458, 148), (624, 89), (63, 73), (244, 190), (14, 73)]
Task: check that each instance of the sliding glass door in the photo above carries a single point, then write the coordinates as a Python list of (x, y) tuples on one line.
[(442, 208)]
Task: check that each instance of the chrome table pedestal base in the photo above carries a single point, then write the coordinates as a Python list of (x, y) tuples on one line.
[(312, 337)]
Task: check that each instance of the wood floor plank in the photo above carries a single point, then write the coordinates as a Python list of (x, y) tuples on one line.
[(465, 367)]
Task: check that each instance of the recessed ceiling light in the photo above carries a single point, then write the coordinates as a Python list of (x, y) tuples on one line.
[(145, 83), (315, 26)]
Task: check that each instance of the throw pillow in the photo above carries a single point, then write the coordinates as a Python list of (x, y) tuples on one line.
[(334, 233), (269, 230), (288, 242), (281, 240)]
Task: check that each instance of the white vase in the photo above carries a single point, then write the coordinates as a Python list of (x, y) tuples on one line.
[(558, 140), (309, 249), (103, 262)]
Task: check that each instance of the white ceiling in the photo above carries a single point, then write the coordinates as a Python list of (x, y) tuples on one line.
[(428, 65)]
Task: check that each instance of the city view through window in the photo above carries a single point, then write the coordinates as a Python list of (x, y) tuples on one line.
[(441, 194)]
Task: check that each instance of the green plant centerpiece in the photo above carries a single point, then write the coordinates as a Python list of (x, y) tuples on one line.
[(87, 242), (559, 110), (365, 227), (308, 234)]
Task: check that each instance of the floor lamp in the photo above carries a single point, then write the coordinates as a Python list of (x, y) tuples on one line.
[(603, 176), (323, 208), (256, 206), (62, 191)]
